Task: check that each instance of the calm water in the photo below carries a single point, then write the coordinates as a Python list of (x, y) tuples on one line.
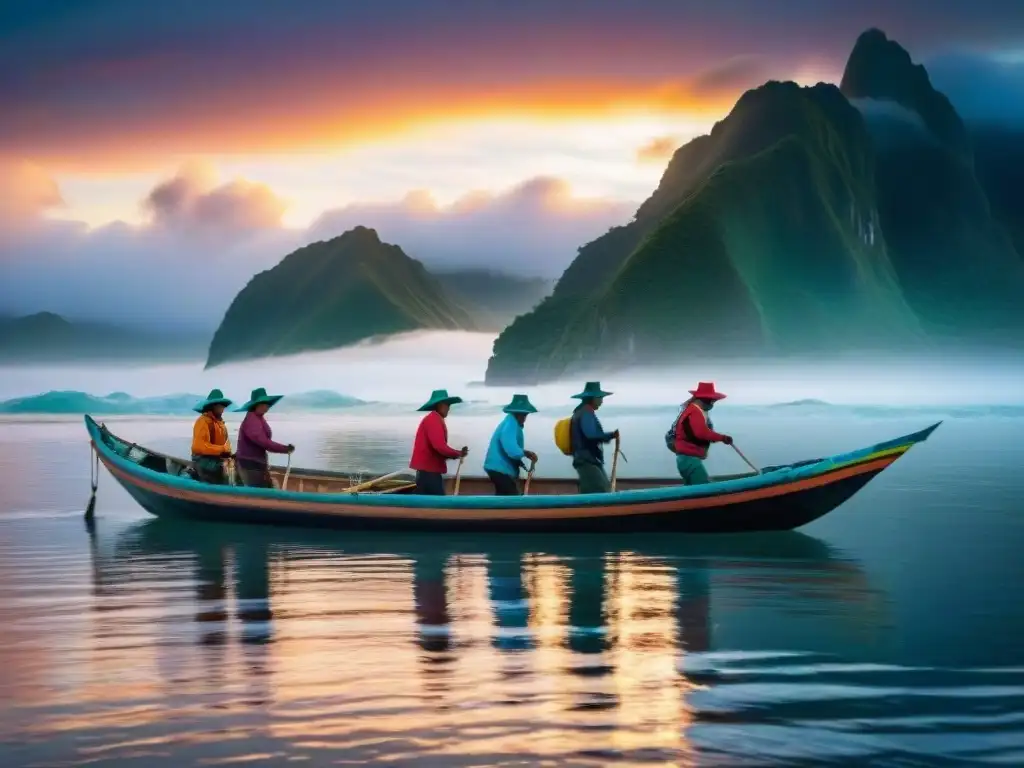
[(890, 631)]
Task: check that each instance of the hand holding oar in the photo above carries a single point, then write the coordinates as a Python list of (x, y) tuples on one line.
[(748, 462), (529, 476)]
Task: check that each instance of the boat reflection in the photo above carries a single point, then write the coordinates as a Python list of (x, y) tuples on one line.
[(581, 629)]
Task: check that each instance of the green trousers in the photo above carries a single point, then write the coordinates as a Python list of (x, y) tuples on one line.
[(691, 469), (592, 478)]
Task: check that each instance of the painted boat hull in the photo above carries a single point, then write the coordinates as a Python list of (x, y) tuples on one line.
[(782, 499)]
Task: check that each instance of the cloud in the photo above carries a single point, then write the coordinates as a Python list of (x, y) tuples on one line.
[(983, 88), (116, 81), (885, 110), (26, 191), (194, 203), (205, 240), (737, 73), (534, 228), (658, 150)]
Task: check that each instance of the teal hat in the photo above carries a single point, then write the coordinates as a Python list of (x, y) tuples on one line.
[(216, 397), (437, 397), (520, 404), (258, 396), (592, 389)]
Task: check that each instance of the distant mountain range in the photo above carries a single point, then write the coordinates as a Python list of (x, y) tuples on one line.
[(354, 287), (809, 220), (48, 338), (863, 217)]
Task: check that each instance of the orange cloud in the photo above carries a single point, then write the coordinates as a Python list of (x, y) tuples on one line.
[(26, 191), (193, 202), (305, 122), (658, 150)]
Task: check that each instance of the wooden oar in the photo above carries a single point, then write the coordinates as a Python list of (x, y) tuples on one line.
[(458, 475), (287, 471), (371, 483), (615, 462), (529, 477), (749, 464)]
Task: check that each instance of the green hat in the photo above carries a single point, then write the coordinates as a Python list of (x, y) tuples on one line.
[(520, 404), (437, 397), (592, 389), (216, 397), (259, 396)]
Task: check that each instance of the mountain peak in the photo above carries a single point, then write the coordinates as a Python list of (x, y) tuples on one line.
[(358, 236), (880, 68)]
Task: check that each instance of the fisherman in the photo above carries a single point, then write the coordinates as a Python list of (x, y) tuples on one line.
[(505, 453), (694, 434), (587, 437), (210, 444), (430, 451), (254, 440)]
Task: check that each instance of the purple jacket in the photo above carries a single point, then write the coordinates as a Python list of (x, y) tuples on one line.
[(254, 439)]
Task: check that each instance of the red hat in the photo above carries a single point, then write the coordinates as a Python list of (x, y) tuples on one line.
[(706, 391)]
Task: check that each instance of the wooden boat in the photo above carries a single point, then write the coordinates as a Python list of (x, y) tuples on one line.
[(778, 498)]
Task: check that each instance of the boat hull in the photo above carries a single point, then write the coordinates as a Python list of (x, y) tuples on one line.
[(783, 499), (775, 513)]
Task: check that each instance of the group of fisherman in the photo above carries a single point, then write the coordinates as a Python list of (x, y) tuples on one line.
[(580, 436)]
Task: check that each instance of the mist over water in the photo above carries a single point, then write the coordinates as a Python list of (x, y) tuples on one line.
[(404, 369), (888, 629)]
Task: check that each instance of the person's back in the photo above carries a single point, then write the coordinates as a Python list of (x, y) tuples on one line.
[(586, 449), (588, 439)]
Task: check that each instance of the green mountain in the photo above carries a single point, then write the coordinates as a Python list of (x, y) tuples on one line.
[(49, 338), (762, 237), (959, 269), (494, 299), (999, 164), (330, 294), (795, 227)]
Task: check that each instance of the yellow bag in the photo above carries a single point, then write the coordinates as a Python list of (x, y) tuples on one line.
[(563, 435)]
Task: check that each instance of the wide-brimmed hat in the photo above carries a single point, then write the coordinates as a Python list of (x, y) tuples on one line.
[(520, 404), (437, 397), (258, 396), (216, 397), (592, 389), (706, 391)]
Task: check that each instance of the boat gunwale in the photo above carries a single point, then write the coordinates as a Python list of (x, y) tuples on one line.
[(641, 496)]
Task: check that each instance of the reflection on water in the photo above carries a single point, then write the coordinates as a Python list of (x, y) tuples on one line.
[(220, 643)]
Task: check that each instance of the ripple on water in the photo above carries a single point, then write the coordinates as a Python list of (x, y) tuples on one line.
[(153, 646)]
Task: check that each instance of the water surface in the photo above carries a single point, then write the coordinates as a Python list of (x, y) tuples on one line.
[(888, 631)]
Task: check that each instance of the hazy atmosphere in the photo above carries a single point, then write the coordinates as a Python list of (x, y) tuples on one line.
[(161, 146), (583, 383)]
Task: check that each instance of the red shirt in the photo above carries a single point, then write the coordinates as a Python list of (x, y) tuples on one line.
[(430, 450), (697, 420)]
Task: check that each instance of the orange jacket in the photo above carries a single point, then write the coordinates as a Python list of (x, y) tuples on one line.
[(210, 436)]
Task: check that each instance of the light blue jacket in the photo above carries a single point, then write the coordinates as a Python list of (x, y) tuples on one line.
[(505, 452)]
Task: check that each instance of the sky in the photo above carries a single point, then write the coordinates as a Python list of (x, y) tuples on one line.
[(154, 156)]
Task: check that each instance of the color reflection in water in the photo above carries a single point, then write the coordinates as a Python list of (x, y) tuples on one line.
[(398, 649)]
